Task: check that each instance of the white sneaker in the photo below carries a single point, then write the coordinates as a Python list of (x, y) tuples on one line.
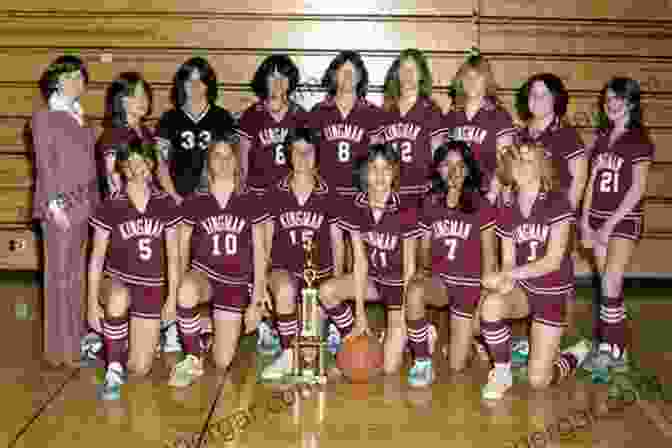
[(500, 380), (114, 378), (280, 367), (171, 343), (268, 342), (580, 350), (432, 337), (186, 371)]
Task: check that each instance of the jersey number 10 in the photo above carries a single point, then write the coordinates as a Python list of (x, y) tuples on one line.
[(230, 244)]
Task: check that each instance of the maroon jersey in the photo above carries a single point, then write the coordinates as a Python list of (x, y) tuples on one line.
[(267, 163), (411, 135), (221, 239), (614, 171), (456, 240), (343, 140), (382, 239), (137, 248), (562, 143), (481, 132), (295, 223), (531, 237)]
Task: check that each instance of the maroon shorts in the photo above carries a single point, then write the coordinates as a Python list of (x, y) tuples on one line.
[(146, 302), (629, 229), (391, 296), (233, 298), (545, 308), (463, 300)]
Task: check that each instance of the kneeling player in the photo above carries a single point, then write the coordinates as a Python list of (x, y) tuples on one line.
[(134, 231), (460, 231), (223, 240), (536, 278), (383, 236), (302, 206)]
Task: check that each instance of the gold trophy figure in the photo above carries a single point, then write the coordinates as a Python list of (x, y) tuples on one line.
[(309, 345)]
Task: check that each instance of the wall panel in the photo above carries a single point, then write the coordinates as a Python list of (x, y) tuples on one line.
[(596, 9)]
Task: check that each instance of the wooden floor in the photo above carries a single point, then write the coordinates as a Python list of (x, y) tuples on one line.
[(59, 408)]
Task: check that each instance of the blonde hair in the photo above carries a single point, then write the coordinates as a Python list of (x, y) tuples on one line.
[(235, 150), (507, 155), (482, 66)]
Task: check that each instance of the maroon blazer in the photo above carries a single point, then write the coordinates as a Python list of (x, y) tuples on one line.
[(65, 164)]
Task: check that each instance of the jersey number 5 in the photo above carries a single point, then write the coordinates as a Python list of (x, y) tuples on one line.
[(144, 246), (230, 244)]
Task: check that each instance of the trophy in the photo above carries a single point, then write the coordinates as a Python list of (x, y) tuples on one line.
[(310, 343)]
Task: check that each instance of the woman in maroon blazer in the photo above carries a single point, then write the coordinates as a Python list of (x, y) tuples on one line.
[(66, 191)]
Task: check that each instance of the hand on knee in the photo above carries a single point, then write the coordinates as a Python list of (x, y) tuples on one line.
[(493, 308), (540, 379)]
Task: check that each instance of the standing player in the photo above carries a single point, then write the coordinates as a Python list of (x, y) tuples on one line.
[(127, 104), (348, 123), (222, 243), (136, 242), (460, 230), (536, 277), (611, 223), (302, 206), (383, 232), (413, 122), (479, 119), (184, 133)]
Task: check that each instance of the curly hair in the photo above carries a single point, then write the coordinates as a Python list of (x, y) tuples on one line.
[(629, 90), (280, 63), (51, 77), (207, 76), (554, 84), (472, 179), (392, 86), (329, 78), (123, 87), (360, 177)]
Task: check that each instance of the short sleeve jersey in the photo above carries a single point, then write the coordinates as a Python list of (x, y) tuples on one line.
[(562, 143), (295, 223), (531, 237), (266, 134), (456, 240), (221, 238), (614, 171), (481, 132), (344, 139), (411, 135), (137, 241), (383, 239), (189, 137)]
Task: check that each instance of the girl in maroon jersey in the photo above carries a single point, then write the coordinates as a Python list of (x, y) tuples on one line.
[(222, 248), (611, 223), (127, 105), (479, 118), (302, 206), (459, 228), (383, 231), (136, 242), (536, 274)]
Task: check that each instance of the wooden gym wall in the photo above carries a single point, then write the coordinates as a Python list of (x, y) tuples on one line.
[(584, 42)]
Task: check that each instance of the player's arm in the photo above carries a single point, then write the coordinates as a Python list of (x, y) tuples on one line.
[(165, 151), (578, 168), (508, 254), (409, 249), (337, 249), (587, 203), (269, 231), (360, 271), (185, 233), (244, 146), (173, 241), (260, 261), (640, 174), (551, 261), (101, 240), (426, 250), (112, 176), (489, 251)]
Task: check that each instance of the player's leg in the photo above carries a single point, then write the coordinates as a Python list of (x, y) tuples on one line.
[(464, 305), (496, 309), (421, 334), (145, 312), (333, 295), (284, 289), (230, 302), (547, 365), (395, 334), (115, 299), (194, 289)]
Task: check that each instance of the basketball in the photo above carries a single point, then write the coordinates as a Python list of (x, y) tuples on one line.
[(361, 358)]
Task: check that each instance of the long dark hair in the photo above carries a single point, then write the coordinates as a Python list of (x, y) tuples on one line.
[(50, 79), (329, 78), (472, 179), (284, 65), (628, 89), (123, 87), (361, 166), (310, 136), (207, 77), (554, 85)]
